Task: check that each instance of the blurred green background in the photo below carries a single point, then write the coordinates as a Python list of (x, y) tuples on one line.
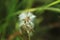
[(47, 22)]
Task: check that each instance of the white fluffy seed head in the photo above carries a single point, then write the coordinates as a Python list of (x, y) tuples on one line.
[(23, 20)]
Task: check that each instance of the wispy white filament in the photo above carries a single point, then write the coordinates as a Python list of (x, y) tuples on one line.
[(23, 15)]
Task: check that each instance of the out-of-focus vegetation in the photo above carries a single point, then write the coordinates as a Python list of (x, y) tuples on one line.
[(47, 22)]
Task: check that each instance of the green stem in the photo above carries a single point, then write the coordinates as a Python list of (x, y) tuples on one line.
[(51, 4), (28, 33), (54, 9), (38, 8), (28, 36)]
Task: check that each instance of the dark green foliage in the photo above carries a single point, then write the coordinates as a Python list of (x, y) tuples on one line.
[(47, 14)]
